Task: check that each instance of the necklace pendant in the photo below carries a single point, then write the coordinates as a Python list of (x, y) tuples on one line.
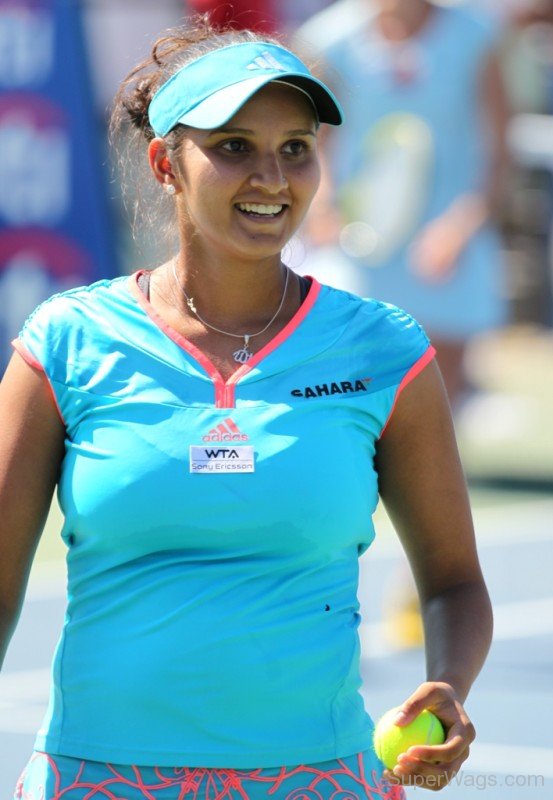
[(242, 355)]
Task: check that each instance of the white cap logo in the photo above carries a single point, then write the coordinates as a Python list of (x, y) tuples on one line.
[(266, 61)]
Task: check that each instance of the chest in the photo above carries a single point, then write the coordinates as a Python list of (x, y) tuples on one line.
[(152, 473)]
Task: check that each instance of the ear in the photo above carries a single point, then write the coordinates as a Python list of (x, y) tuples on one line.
[(160, 165)]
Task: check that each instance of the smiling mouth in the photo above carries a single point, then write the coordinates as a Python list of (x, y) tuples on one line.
[(261, 210)]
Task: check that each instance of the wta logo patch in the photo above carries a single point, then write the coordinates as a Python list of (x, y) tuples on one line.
[(227, 431), (238, 459)]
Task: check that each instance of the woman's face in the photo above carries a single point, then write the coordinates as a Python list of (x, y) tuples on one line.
[(246, 187)]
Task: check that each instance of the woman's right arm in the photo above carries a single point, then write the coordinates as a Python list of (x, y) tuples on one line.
[(31, 451)]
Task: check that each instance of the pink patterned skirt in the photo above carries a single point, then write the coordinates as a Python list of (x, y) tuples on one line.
[(49, 777)]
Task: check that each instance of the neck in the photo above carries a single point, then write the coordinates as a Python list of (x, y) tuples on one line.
[(237, 296)]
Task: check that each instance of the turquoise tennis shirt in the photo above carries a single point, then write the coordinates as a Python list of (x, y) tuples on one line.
[(214, 528)]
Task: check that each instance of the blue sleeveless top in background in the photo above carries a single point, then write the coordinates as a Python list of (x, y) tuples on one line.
[(414, 140)]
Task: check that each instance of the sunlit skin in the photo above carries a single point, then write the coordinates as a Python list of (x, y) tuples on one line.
[(230, 260), (267, 153)]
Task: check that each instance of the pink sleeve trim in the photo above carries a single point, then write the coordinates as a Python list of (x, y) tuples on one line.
[(26, 355), (29, 358), (417, 367)]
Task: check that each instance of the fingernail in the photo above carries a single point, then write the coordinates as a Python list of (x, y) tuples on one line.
[(399, 717)]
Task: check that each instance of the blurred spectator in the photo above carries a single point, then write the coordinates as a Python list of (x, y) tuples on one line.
[(520, 12), (527, 63), (263, 15), (260, 15), (294, 12), (414, 179)]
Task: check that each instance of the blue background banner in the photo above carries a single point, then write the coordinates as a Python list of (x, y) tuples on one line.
[(55, 229)]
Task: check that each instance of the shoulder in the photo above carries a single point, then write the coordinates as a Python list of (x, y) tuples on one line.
[(62, 308), (375, 316), (57, 326), (384, 337)]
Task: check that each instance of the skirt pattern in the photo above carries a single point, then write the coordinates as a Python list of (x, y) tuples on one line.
[(53, 777)]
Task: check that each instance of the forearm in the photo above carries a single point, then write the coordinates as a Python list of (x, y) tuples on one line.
[(458, 630), (8, 620)]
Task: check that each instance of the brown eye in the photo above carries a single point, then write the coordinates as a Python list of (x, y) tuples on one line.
[(295, 147), (234, 146)]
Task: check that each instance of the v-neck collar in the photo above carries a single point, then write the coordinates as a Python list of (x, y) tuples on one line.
[(224, 390)]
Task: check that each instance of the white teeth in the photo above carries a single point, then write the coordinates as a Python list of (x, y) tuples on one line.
[(258, 208)]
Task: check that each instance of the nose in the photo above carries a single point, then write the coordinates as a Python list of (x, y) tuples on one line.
[(268, 174)]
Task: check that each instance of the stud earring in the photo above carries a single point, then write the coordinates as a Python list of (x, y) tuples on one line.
[(170, 189)]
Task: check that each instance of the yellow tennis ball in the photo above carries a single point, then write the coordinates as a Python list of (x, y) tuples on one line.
[(390, 740)]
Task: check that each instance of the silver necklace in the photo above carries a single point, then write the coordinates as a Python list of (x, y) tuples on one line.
[(243, 354)]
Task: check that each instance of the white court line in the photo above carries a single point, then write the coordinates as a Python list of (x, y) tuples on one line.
[(511, 621), (27, 690), (47, 580), (523, 619), (521, 524), (23, 700), (30, 685), (506, 759)]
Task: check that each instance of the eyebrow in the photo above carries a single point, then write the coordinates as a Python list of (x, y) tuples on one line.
[(246, 131)]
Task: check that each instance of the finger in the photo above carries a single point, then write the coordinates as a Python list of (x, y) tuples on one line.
[(425, 696), (445, 771), (426, 775), (410, 761), (441, 700), (453, 748)]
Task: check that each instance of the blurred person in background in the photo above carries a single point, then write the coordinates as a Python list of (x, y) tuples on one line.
[(259, 15), (527, 61), (262, 15), (415, 178)]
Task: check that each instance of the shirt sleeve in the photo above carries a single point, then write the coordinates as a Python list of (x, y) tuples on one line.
[(404, 351), (43, 343), (40, 340)]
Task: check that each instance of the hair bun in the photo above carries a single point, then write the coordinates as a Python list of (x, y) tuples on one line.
[(136, 104)]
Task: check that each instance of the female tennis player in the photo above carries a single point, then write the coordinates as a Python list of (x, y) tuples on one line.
[(219, 430)]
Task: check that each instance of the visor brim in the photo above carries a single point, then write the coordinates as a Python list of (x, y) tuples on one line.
[(223, 104)]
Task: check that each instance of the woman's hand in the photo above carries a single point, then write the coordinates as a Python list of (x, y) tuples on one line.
[(433, 767)]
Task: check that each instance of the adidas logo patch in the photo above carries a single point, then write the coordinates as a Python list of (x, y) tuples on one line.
[(227, 431), (266, 61)]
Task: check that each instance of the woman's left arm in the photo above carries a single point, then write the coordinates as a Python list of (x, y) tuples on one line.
[(423, 488)]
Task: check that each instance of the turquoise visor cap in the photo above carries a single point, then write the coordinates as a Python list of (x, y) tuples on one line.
[(208, 91)]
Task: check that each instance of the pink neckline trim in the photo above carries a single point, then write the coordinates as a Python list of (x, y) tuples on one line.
[(224, 390)]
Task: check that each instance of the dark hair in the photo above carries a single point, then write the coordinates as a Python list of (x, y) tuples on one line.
[(130, 127)]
